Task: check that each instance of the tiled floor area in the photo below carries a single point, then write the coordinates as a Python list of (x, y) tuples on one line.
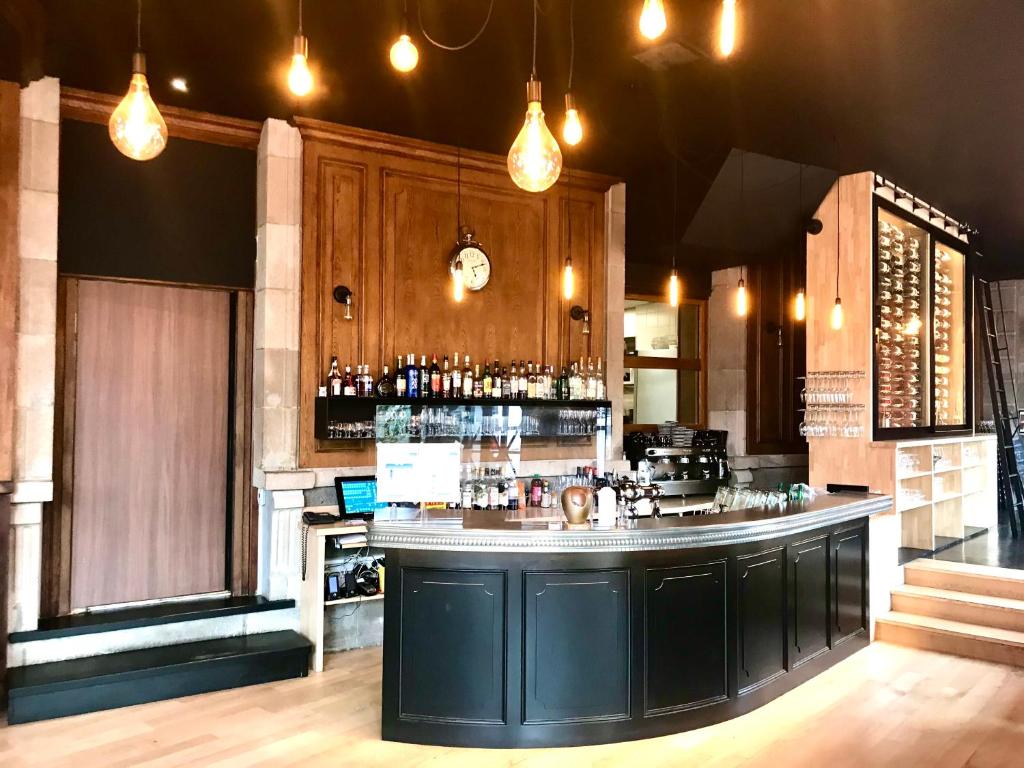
[(996, 548)]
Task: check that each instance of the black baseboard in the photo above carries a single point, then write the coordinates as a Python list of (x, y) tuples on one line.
[(45, 691)]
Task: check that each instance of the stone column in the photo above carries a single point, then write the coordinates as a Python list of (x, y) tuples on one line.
[(615, 296), (37, 322), (727, 361)]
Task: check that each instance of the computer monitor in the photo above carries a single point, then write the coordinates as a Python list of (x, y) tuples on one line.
[(357, 497)]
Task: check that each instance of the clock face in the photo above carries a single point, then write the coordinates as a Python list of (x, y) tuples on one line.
[(476, 267)]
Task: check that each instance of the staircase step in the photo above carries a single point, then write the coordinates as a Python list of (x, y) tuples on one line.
[(984, 610), (1003, 646), (57, 689), (963, 577)]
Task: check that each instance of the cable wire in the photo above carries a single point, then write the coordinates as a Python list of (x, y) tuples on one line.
[(461, 46), (572, 41)]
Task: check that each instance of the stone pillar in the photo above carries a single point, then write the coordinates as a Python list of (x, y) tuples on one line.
[(615, 296), (37, 323), (727, 361), (276, 311)]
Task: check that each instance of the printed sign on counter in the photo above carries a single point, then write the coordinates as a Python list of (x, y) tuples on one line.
[(417, 472)]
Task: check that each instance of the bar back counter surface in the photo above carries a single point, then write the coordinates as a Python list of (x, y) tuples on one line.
[(503, 630)]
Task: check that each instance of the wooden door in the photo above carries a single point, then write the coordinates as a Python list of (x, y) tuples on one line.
[(151, 442)]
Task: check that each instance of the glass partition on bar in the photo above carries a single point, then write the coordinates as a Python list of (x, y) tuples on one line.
[(949, 313)]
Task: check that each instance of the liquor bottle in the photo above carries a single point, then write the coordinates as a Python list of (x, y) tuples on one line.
[(544, 384), (492, 490), (424, 377), (502, 492), (467, 380), (446, 379), (591, 381), (401, 379), (522, 380), (513, 382), (456, 378), (545, 495), (539, 390), (467, 493), (487, 382), (600, 381), (412, 377), (359, 381), (368, 381), (385, 386), (478, 383), (575, 384), (436, 386), (496, 381), (536, 491), (348, 386), (506, 384), (334, 380), (531, 381)]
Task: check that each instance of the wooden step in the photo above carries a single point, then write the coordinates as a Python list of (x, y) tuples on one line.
[(1003, 646), (44, 691), (985, 610), (962, 577)]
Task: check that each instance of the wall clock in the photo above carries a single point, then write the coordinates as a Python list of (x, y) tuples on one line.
[(476, 265)]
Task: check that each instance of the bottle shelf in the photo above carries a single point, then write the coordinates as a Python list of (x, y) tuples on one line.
[(359, 599), (463, 402)]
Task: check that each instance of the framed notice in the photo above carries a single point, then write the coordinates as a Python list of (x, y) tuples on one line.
[(418, 472)]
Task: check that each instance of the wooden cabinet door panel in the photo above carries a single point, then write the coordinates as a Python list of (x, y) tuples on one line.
[(809, 594), (849, 586), (761, 618)]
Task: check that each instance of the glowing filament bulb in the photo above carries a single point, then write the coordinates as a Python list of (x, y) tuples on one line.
[(741, 298), (572, 129), (568, 281), (404, 55), (652, 19), (458, 283), (837, 315), (300, 79), (673, 289), (800, 307), (535, 159), (727, 30), (136, 126)]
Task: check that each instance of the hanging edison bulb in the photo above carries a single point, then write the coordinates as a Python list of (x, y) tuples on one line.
[(652, 19), (727, 28), (300, 79), (837, 315), (572, 130), (458, 282), (800, 306), (673, 288), (404, 56), (741, 298), (136, 126), (568, 280), (535, 159)]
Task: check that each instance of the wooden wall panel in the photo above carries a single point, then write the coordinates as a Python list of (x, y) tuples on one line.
[(380, 216), (9, 132), (151, 442)]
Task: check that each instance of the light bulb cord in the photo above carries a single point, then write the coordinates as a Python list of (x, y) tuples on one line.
[(572, 42), (138, 25), (839, 187), (458, 193), (533, 69), (568, 255), (300, 17), (459, 46), (675, 210)]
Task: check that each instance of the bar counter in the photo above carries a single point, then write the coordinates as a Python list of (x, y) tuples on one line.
[(516, 630)]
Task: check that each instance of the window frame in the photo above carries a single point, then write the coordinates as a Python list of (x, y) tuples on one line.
[(679, 364)]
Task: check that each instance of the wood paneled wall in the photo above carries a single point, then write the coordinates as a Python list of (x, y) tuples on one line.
[(9, 131), (380, 216)]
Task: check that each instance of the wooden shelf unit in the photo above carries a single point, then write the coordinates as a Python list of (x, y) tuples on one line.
[(969, 469)]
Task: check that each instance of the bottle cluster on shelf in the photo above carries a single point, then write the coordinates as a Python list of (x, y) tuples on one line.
[(463, 380), (902, 286), (499, 488), (947, 408)]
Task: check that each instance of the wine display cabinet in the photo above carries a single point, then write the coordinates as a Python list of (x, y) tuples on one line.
[(905, 280)]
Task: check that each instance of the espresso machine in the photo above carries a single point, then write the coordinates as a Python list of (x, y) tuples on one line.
[(697, 467)]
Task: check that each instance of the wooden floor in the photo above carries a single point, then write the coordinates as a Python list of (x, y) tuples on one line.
[(884, 706)]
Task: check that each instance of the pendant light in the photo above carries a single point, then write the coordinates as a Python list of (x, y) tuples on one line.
[(673, 278), (837, 308), (534, 160), (652, 19), (742, 303), (800, 303), (458, 277), (136, 126), (404, 56), (727, 29), (568, 279), (300, 79), (572, 129)]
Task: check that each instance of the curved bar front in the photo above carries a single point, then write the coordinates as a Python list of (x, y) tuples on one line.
[(520, 632)]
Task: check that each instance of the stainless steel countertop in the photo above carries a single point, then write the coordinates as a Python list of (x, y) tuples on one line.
[(528, 531)]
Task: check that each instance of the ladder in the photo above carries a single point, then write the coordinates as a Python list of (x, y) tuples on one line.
[(1002, 389)]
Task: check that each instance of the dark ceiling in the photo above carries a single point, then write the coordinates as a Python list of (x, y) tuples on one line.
[(925, 92)]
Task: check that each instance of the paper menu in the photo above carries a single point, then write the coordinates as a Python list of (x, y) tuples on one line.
[(416, 472)]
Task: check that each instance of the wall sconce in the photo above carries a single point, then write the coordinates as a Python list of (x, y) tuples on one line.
[(579, 313), (343, 295)]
